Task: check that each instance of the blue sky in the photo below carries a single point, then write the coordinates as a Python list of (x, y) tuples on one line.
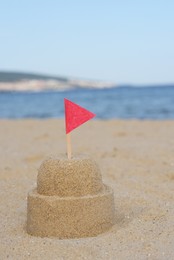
[(120, 41)]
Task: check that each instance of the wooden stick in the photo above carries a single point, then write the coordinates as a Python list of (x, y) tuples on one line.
[(68, 141)]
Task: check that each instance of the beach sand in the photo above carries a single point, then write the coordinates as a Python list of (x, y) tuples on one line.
[(136, 159)]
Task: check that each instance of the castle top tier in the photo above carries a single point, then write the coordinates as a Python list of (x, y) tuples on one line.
[(62, 177)]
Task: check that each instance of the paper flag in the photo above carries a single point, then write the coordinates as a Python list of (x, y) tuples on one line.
[(75, 115)]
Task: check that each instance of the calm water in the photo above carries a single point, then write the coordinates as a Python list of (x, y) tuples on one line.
[(123, 102)]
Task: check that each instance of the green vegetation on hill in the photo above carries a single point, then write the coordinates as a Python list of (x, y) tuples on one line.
[(18, 76)]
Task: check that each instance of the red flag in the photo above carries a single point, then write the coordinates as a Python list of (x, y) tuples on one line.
[(75, 115)]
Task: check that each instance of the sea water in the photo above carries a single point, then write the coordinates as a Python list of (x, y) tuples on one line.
[(120, 102)]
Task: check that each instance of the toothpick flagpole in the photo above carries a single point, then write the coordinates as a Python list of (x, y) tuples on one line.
[(69, 148)]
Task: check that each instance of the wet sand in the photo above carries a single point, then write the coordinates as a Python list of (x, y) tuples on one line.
[(136, 159)]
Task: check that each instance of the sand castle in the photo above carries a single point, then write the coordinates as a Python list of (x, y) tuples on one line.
[(70, 200)]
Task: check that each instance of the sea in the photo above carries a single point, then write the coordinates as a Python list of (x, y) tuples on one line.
[(156, 103)]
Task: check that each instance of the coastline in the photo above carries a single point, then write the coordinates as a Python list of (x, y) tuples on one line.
[(46, 85), (136, 160)]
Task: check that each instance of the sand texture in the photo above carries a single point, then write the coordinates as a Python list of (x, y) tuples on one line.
[(136, 159), (70, 217), (62, 177), (70, 200)]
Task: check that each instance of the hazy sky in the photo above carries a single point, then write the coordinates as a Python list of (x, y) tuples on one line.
[(124, 41)]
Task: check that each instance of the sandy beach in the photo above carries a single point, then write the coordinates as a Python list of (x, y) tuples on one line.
[(136, 159)]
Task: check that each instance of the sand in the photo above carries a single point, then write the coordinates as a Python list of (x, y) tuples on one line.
[(136, 159), (70, 200)]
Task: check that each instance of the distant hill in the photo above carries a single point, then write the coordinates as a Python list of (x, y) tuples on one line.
[(19, 76), (20, 81)]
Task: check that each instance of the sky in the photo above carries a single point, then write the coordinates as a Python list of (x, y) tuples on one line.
[(120, 41)]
